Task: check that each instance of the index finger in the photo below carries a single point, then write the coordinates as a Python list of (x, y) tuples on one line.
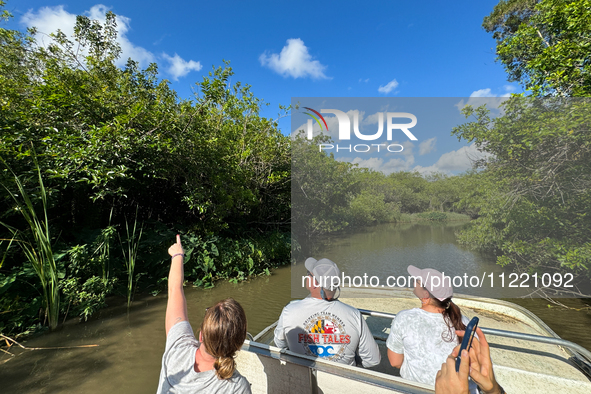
[(178, 239), (482, 343)]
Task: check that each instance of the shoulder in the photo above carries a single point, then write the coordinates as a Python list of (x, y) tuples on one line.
[(180, 328), (409, 314), (294, 306), (307, 303), (408, 317), (242, 386), (296, 303), (348, 308), (181, 332)]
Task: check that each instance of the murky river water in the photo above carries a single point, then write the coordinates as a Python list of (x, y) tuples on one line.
[(130, 349)]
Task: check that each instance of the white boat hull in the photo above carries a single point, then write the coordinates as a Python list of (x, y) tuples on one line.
[(521, 366)]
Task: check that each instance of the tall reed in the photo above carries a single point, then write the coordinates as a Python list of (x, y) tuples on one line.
[(38, 251), (130, 256)]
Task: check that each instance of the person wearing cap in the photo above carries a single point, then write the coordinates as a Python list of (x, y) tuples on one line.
[(322, 326), (421, 339)]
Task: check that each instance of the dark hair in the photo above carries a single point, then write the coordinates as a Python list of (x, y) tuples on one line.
[(224, 331), (452, 317)]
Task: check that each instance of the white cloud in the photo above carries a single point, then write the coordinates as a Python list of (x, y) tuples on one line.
[(455, 161), (486, 96), (390, 86), (180, 67), (366, 80), (294, 61), (482, 93), (508, 89), (50, 19), (427, 146)]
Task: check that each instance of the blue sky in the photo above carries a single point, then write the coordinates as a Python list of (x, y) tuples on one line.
[(306, 49)]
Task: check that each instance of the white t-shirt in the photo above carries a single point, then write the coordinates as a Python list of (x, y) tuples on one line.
[(178, 373), (331, 330), (419, 335)]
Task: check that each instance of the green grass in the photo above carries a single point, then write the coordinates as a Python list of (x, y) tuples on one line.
[(130, 255), (37, 250)]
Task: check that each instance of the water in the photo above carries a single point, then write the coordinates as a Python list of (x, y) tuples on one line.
[(385, 251), (130, 349)]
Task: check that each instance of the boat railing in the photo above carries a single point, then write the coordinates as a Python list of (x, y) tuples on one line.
[(316, 366), (573, 347)]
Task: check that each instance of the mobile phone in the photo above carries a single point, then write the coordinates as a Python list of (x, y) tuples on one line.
[(467, 340)]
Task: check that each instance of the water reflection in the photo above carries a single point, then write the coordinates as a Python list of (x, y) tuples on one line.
[(388, 249), (131, 346)]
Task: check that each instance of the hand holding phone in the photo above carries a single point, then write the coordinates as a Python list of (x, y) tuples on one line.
[(467, 341)]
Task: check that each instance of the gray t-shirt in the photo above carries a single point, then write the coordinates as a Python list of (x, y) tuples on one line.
[(331, 330), (419, 335), (178, 368)]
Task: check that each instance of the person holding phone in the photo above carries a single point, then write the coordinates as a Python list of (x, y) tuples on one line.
[(475, 363), (206, 365), (421, 338)]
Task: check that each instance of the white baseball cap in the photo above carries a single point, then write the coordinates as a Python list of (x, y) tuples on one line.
[(440, 288), (321, 269)]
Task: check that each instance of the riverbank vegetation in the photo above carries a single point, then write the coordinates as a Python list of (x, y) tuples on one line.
[(329, 195), (102, 165), (534, 192)]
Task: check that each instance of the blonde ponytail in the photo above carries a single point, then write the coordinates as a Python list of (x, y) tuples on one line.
[(224, 367), (224, 332)]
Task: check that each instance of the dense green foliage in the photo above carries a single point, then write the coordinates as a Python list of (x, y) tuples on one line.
[(533, 197), (534, 194), (545, 44), (117, 150), (330, 195)]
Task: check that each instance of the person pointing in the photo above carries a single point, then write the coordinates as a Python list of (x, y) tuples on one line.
[(206, 365)]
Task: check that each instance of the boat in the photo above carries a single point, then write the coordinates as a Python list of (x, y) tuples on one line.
[(528, 356)]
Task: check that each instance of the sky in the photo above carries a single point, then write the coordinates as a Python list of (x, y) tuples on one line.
[(344, 49)]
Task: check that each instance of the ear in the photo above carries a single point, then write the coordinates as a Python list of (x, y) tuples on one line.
[(200, 337), (313, 283)]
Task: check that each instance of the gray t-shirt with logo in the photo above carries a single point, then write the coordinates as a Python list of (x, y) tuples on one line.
[(331, 330), (178, 368)]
